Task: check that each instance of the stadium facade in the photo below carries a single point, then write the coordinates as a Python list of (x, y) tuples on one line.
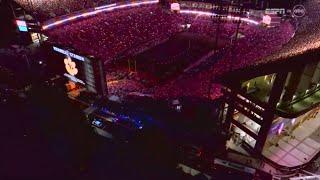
[(269, 107)]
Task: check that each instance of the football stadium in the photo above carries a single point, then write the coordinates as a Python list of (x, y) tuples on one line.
[(150, 49), (254, 67)]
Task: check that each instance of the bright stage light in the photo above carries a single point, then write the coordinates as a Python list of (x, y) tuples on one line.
[(266, 19), (105, 6), (214, 14), (197, 12), (175, 7)]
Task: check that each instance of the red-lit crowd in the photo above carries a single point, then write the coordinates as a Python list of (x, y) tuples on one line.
[(109, 36), (45, 9), (307, 36), (247, 51)]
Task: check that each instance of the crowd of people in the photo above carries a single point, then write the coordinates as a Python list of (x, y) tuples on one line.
[(111, 35), (206, 26), (121, 33), (257, 43), (51, 8), (307, 34)]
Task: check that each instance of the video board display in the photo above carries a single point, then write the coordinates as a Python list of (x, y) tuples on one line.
[(81, 70), (22, 25), (28, 26)]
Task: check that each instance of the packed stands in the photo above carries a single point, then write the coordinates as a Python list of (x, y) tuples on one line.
[(45, 9), (108, 35), (306, 37), (113, 36)]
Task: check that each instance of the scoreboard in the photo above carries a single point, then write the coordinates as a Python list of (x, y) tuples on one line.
[(28, 26), (84, 71)]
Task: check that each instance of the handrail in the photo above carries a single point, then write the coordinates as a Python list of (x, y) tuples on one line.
[(286, 172)]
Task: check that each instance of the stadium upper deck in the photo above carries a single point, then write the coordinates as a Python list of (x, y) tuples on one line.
[(306, 38), (304, 41), (46, 9)]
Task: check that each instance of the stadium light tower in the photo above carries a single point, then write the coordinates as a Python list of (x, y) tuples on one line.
[(217, 8), (239, 13), (32, 9), (223, 10), (219, 11)]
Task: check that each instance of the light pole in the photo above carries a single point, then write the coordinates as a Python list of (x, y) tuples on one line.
[(220, 13), (27, 61), (236, 34)]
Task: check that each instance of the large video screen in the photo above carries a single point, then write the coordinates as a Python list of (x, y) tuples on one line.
[(73, 65), (87, 72)]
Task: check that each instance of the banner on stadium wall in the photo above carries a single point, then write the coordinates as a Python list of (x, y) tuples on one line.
[(196, 5), (211, 7), (279, 11), (266, 19)]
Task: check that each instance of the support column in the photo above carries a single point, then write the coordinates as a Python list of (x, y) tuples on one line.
[(292, 85), (269, 112), (229, 116), (306, 77), (316, 75)]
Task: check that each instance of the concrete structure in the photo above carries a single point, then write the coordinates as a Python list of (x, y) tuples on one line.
[(273, 111)]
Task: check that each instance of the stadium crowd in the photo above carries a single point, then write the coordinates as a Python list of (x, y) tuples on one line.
[(256, 44), (110, 35), (205, 26), (307, 34), (121, 33), (44, 10)]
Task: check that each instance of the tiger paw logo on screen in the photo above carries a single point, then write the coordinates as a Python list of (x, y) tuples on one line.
[(70, 66)]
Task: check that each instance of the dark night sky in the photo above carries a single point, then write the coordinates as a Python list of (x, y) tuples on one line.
[(7, 27)]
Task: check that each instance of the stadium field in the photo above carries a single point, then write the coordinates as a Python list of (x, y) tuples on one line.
[(174, 55)]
